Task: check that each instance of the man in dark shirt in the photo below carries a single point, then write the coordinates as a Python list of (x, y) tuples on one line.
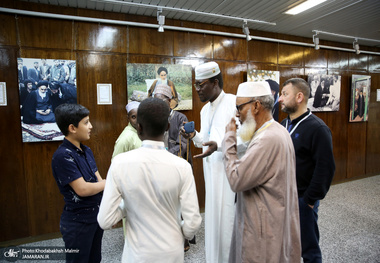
[(315, 165), (80, 183)]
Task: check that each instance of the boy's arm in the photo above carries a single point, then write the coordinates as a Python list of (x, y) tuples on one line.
[(83, 188), (99, 176)]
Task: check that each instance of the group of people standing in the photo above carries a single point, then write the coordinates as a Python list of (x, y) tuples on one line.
[(263, 179), (44, 87)]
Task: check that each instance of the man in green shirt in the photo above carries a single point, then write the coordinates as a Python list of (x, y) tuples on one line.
[(128, 139)]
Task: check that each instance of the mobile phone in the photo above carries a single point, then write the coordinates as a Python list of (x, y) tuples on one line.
[(189, 127)]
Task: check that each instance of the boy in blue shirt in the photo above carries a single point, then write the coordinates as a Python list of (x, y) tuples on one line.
[(80, 183)]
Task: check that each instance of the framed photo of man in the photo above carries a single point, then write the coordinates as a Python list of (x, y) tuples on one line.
[(142, 80), (360, 91), (324, 92), (43, 85)]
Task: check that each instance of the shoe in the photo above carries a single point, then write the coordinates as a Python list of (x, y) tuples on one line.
[(187, 245)]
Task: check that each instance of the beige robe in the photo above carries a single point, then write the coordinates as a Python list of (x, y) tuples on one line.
[(267, 227)]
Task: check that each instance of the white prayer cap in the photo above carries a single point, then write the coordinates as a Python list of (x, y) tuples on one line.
[(132, 105), (163, 89), (207, 70), (253, 89)]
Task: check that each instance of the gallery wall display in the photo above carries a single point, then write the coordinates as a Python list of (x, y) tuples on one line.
[(324, 92), (142, 80), (43, 85), (360, 91), (273, 78)]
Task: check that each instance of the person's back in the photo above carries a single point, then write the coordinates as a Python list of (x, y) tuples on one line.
[(156, 188), (152, 179)]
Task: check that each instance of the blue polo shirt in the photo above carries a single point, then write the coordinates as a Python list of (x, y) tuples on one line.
[(70, 163)]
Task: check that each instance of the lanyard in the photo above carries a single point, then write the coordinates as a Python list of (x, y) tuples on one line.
[(263, 127), (295, 127)]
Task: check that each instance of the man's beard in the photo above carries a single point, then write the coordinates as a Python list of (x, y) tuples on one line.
[(290, 109), (248, 128)]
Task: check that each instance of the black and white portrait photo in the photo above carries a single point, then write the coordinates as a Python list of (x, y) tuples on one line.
[(324, 92)]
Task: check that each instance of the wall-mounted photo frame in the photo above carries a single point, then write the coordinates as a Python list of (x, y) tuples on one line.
[(43, 85), (3, 94), (143, 78), (104, 93), (360, 91), (324, 92)]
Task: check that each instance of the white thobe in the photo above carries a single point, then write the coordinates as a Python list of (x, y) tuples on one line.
[(220, 200), (152, 188)]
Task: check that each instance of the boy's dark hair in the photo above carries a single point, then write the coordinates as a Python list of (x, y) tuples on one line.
[(153, 116), (219, 77), (66, 114)]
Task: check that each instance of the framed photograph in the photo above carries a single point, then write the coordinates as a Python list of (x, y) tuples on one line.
[(142, 80), (324, 92), (3, 94), (273, 78), (43, 85), (360, 91), (104, 92)]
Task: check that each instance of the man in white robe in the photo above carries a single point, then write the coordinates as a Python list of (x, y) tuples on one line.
[(220, 200), (267, 226), (152, 188)]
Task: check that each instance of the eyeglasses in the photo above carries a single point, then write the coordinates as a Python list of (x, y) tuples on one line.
[(239, 106), (196, 85)]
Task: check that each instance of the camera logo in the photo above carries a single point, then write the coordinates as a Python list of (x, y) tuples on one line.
[(12, 254)]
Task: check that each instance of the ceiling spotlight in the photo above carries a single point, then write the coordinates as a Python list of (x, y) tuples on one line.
[(246, 30), (316, 41), (161, 20), (356, 46)]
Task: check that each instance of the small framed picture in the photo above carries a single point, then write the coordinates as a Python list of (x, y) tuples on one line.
[(3, 94), (104, 94)]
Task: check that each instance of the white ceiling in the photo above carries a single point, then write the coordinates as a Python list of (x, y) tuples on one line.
[(356, 18)]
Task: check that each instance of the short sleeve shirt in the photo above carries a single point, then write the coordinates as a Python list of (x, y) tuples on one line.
[(70, 163)]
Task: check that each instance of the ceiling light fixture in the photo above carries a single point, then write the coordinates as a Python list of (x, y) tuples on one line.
[(316, 41), (161, 20), (246, 30), (356, 46), (304, 6)]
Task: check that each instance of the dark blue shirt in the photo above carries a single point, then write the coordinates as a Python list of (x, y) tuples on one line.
[(70, 163), (315, 165)]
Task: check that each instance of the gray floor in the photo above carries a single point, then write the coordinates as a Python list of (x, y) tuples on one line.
[(349, 220)]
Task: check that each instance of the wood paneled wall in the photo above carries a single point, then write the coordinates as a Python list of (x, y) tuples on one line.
[(30, 202)]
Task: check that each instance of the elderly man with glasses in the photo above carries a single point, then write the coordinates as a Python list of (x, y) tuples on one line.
[(267, 227)]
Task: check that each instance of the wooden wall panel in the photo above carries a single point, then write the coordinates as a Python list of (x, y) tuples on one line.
[(261, 51), (100, 37), (315, 58), (33, 205), (234, 49), (150, 41), (8, 32), (14, 216), (45, 33), (192, 45), (291, 55)]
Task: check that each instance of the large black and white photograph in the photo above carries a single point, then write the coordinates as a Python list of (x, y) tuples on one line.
[(324, 92), (43, 85), (142, 80), (360, 91)]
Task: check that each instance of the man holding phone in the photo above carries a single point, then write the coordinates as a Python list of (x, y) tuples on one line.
[(220, 200)]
